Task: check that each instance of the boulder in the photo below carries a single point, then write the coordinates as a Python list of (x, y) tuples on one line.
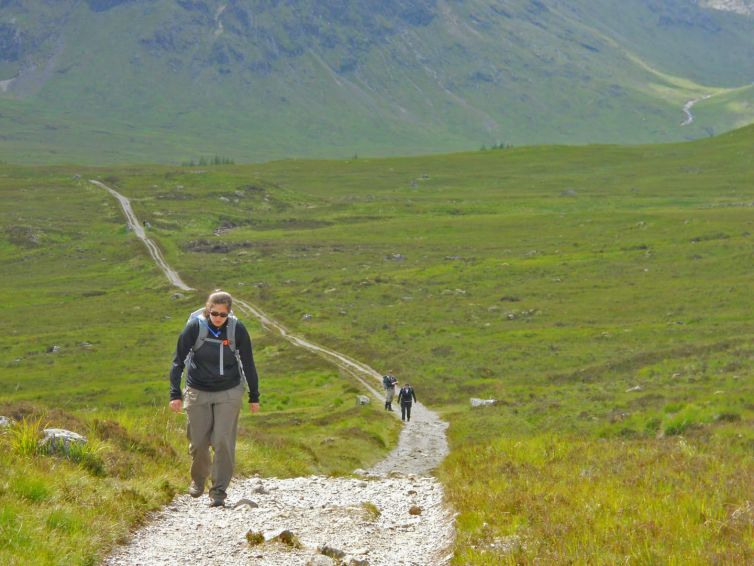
[(288, 538), (482, 402), (6, 422), (362, 400), (60, 440), (246, 502), (331, 551)]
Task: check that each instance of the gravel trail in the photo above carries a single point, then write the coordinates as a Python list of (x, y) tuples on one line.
[(135, 225), (393, 514), (689, 105)]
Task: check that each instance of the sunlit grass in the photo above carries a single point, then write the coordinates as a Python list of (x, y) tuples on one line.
[(562, 499), (26, 434)]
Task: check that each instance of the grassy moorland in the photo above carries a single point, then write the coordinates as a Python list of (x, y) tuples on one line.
[(76, 279), (600, 294)]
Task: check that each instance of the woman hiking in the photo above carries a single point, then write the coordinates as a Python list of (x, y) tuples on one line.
[(216, 347)]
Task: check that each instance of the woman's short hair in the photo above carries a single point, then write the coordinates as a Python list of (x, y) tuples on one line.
[(218, 297)]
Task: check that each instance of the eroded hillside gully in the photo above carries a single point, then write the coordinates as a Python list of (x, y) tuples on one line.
[(337, 513)]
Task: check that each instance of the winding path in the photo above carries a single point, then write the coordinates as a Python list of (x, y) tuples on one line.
[(319, 510), (688, 106)]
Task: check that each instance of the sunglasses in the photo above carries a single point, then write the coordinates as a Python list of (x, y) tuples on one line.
[(220, 314)]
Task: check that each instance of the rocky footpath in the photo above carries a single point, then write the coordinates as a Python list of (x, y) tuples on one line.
[(374, 521), (392, 514), (421, 447)]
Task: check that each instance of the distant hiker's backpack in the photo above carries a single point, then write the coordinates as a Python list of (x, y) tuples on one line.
[(203, 338)]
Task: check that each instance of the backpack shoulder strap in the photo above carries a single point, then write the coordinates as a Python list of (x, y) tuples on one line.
[(201, 338), (232, 344), (231, 334)]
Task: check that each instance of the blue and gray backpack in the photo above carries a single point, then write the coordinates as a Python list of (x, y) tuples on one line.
[(203, 338)]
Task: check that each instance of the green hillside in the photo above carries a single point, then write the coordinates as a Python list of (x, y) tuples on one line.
[(600, 294), (732, 109), (126, 81)]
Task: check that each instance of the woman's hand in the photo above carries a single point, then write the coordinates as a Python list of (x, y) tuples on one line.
[(254, 407), (176, 405)]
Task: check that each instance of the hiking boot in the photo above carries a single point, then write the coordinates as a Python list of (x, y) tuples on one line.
[(196, 490), (217, 497)]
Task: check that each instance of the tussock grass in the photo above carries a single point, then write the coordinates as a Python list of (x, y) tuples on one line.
[(613, 501), (24, 435), (371, 510)]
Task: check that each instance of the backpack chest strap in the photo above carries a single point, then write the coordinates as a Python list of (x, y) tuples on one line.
[(220, 343), (203, 335)]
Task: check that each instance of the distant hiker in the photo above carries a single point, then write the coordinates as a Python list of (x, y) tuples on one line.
[(216, 348), (388, 382), (405, 397)]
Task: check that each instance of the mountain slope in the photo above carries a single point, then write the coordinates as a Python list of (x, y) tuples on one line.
[(124, 80)]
